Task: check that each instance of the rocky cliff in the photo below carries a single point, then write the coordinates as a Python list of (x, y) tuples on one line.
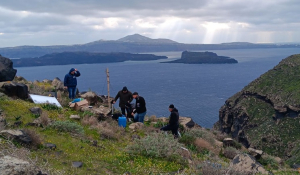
[(265, 114)]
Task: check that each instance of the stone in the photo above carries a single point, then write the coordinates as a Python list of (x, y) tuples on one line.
[(137, 125), (77, 164), (16, 90), (102, 111), (91, 97), (47, 81), (50, 146), (279, 160), (58, 84), (13, 166), (7, 73), (246, 164), (255, 153), (36, 110), (17, 135), (75, 117), (228, 142), (40, 122), (187, 122)]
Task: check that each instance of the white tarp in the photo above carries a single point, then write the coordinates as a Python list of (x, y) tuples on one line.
[(44, 99)]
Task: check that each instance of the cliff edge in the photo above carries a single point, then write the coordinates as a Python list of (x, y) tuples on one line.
[(266, 113)]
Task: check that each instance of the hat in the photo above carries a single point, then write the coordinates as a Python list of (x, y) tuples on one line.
[(171, 106), (124, 88), (135, 93)]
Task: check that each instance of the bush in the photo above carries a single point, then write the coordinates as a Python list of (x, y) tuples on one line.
[(187, 138), (230, 152), (268, 161), (36, 139), (89, 121), (160, 124), (203, 145), (157, 145), (67, 126), (199, 133), (50, 107), (110, 129), (44, 119)]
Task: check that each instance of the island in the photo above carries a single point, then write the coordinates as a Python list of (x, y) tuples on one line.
[(66, 58), (203, 58)]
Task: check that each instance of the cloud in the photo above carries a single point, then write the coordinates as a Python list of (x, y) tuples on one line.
[(48, 22)]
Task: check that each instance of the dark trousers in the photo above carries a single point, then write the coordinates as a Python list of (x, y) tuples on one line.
[(72, 92), (127, 110), (173, 128)]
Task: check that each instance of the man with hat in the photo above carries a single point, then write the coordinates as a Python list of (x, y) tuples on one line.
[(140, 108), (125, 98), (173, 121)]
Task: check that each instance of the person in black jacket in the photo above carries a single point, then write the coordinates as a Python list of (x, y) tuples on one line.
[(70, 82), (140, 108), (125, 98), (173, 121)]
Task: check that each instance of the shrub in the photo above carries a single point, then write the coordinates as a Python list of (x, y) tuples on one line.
[(44, 119), (110, 129), (203, 145), (89, 121), (230, 152), (219, 135), (157, 145), (67, 126), (160, 124), (50, 107), (268, 161), (36, 139), (187, 138), (153, 118)]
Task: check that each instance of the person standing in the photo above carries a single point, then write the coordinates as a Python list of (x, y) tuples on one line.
[(173, 121), (140, 108), (70, 82), (125, 98)]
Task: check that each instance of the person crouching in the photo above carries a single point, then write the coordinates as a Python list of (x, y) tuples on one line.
[(173, 121), (140, 108)]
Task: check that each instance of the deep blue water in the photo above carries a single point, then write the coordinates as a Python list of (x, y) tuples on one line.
[(197, 90)]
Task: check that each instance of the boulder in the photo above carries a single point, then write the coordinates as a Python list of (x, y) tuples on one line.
[(7, 73), (47, 81), (75, 117), (246, 164), (255, 153), (58, 84), (91, 97), (50, 146), (187, 122), (137, 125), (13, 166), (17, 135), (77, 164), (36, 110), (40, 122), (102, 111), (16, 90)]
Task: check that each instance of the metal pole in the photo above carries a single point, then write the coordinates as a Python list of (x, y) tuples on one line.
[(108, 95)]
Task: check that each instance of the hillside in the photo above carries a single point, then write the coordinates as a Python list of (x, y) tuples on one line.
[(44, 139), (65, 58), (130, 44), (265, 114), (188, 57)]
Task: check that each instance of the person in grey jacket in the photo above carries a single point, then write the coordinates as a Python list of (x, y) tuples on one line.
[(125, 98)]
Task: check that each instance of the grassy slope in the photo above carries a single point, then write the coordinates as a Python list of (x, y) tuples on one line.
[(282, 86)]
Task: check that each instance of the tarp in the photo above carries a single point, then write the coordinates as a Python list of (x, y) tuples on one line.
[(38, 99)]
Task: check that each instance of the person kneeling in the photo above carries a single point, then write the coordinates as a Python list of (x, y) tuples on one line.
[(140, 108)]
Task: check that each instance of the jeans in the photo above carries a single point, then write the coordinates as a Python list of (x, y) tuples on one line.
[(173, 128), (139, 117), (123, 112), (72, 92)]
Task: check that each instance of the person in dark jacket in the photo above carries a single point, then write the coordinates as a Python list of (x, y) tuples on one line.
[(70, 82), (140, 108), (173, 121), (125, 98)]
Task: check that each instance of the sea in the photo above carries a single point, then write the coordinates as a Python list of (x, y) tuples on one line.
[(196, 90)]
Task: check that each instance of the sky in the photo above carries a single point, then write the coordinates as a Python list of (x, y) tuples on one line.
[(66, 22)]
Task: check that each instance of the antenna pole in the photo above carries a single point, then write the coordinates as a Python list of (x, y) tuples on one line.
[(108, 95)]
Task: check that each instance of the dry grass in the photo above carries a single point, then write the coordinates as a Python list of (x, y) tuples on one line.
[(110, 129), (230, 152), (219, 135), (203, 145), (153, 118), (89, 121), (44, 119), (36, 139)]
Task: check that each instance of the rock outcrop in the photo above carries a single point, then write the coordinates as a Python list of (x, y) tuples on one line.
[(7, 73), (14, 166), (246, 164), (19, 90), (266, 113)]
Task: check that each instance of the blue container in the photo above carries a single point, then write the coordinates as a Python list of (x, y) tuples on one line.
[(122, 121), (76, 100)]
